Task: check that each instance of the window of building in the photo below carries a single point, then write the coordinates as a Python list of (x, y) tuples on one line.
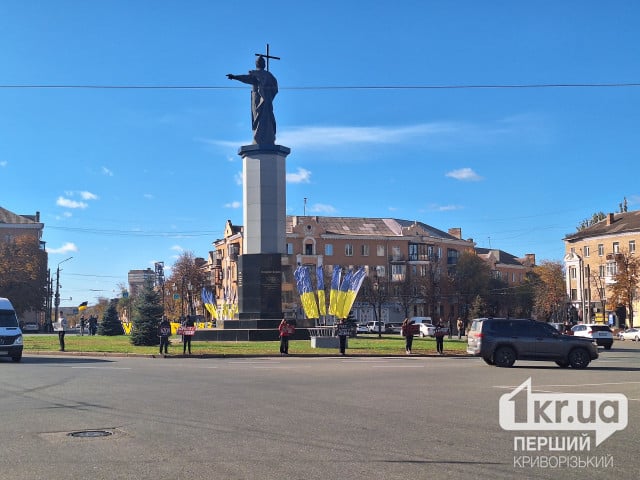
[(616, 247), (308, 248), (380, 250), (586, 250), (572, 272), (601, 271), (364, 250), (574, 294), (632, 246), (348, 250), (601, 249), (424, 270), (452, 256), (398, 272), (573, 250), (395, 252), (328, 249), (612, 269), (380, 271), (289, 248)]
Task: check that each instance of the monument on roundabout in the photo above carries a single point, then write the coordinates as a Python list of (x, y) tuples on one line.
[(264, 214)]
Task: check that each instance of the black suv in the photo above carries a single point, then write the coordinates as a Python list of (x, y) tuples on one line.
[(502, 341)]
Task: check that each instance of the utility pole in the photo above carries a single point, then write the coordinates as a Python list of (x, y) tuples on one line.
[(57, 294)]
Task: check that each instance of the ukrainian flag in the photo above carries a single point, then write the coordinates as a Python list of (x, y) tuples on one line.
[(335, 287), (322, 304), (209, 303), (307, 298), (342, 294), (83, 306), (355, 282)]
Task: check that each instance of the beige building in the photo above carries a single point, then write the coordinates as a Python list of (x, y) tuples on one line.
[(388, 248), (590, 263)]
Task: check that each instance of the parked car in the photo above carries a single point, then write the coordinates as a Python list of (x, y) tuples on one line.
[(30, 327), (374, 326), (630, 334), (394, 327), (502, 341), (427, 330), (362, 328), (601, 334)]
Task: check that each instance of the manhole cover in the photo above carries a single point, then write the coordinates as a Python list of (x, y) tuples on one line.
[(90, 433)]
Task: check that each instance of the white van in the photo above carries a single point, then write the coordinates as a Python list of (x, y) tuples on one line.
[(10, 333), (427, 329)]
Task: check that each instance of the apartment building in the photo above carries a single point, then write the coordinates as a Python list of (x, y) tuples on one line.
[(590, 263), (388, 248)]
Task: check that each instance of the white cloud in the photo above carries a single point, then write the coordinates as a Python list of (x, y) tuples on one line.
[(446, 208), (107, 172), (66, 248), (88, 195), (301, 176), (234, 204), (3, 163), (238, 178), (177, 248), (149, 196), (464, 174), (322, 208), (68, 203)]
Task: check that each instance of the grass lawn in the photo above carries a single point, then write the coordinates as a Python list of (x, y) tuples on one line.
[(362, 345)]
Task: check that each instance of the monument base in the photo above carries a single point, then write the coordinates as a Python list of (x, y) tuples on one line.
[(259, 291)]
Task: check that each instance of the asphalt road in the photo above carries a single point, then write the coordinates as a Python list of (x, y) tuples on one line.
[(291, 418)]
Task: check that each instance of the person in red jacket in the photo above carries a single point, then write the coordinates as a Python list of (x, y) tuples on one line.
[(285, 330)]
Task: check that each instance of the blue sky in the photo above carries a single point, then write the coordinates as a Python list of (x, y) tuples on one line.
[(124, 177)]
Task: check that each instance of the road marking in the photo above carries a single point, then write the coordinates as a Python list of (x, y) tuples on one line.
[(103, 368), (571, 385), (398, 366)]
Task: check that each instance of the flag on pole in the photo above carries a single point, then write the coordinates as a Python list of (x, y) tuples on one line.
[(335, 287), (352, 291), (342, 294), (83, 306), (305, 289), (322, 304), (209, 303)]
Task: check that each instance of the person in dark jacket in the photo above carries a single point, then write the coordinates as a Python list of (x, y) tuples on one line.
[(186, 339), (164, 331), (407, 331), (284, 330), (440, 332)]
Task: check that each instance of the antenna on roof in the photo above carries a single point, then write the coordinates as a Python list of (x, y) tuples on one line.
[(304, 211)]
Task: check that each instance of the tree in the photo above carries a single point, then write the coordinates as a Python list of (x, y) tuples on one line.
[(549, 289), (184, 272), (625, 282), (471, 278), (587, 222), (110, 324), (23, 274), (479, 308), (147, 314), (375, 292)]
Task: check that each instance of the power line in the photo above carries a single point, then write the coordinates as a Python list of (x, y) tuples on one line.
[(336, 87)]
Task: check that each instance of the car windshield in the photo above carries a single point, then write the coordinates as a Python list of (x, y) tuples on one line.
[(8, 318)]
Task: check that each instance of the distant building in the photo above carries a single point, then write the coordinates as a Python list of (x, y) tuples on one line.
[(590, 263), (390, 249), (13, 226), (137, 280)]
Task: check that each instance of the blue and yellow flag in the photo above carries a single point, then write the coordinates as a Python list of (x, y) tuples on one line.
[(307, 297), (335, 288), (342, 294), (209, 303), (355, 282), (83, 306), (322, 303)]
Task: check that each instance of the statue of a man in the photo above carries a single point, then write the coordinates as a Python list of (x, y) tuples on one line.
[(265, 88)]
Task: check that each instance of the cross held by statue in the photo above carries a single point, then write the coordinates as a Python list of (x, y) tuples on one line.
[(267, 56)]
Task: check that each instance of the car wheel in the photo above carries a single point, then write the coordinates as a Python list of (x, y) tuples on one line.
[(562, 364), (607, 347), (579, 358), (488, 360), (504, 357)]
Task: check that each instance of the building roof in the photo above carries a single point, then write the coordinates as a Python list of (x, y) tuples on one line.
[(12, 218), (353, 226), (500, 256), (613, 224)]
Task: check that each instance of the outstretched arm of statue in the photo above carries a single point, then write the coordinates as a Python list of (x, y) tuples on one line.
[(250, 79)]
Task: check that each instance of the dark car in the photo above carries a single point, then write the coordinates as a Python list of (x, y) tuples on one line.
[(502, 341)]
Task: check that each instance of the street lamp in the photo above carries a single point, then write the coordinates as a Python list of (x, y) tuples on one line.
[(57, 295), (190, 298)]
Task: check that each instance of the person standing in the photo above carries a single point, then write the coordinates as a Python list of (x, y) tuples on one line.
[(440, 332), (460, 325), (407, 331), (188, 325), (164, 331), (61, 328), (284, 330), (343, 333)]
